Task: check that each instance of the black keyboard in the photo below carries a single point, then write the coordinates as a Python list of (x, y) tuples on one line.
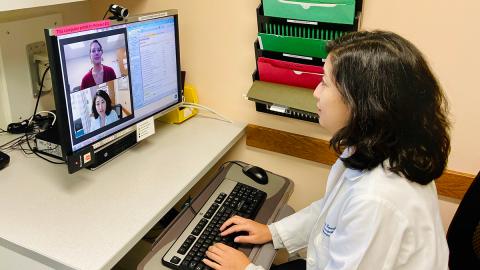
[(229, 199)]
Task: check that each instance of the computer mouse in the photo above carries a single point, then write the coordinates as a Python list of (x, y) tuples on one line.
[(257, 174), (4, 160)]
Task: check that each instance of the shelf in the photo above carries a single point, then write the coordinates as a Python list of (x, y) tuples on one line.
[(284, 100)]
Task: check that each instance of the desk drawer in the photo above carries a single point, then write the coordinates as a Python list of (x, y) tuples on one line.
[(332, 11)]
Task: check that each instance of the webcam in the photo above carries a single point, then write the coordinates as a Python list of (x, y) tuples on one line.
[(119, 12)]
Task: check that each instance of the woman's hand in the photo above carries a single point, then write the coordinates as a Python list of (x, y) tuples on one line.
[(257, 233), (223, 257)]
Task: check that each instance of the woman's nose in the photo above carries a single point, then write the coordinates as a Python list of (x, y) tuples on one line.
[(316, 92)]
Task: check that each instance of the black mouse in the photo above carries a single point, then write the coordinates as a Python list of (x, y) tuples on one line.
[(256, 173), (4, 160)]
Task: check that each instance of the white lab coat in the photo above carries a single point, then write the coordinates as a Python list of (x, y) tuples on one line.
[(367, 220)]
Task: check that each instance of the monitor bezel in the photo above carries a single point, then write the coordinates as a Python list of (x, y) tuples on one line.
[(60, 93)]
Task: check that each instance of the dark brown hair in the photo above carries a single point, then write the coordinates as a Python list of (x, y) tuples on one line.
[(108, 101), (398, 110)]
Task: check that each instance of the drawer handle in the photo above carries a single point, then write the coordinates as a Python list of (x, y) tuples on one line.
[(308, 5)]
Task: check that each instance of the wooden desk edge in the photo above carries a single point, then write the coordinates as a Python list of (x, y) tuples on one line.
[(451, 184)]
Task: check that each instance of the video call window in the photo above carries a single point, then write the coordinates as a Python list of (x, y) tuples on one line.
[(96, 76)]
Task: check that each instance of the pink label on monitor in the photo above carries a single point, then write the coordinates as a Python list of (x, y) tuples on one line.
[(80, 27)]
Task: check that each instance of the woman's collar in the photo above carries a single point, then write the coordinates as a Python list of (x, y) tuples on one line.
[(351, 174)]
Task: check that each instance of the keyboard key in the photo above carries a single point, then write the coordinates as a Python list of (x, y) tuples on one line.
[(192, 264), (182, 250), (185, 264), (175, 260)]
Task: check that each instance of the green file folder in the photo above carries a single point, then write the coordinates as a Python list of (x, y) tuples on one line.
[(279, 94), (293, 45), (331, 11)]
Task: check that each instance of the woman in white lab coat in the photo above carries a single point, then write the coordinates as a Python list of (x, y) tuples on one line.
[(387, 112)]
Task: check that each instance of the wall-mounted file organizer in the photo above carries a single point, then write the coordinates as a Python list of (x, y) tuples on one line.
[(291, 49)]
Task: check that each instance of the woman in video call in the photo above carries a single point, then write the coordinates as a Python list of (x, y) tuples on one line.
[(102, 111), (99, 73), (388, 117)]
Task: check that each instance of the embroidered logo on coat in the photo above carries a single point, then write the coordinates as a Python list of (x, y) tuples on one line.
[(328, 230)]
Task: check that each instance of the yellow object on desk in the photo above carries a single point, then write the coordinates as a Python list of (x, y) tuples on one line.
[(181, 114)]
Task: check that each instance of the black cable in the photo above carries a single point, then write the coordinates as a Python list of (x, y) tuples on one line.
[(106, 12), (233, 161), (24, 150), (34, 151), (40, 91), (190, 205), (13, 142)]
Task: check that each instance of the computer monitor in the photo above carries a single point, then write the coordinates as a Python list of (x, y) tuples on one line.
[(107, 76)]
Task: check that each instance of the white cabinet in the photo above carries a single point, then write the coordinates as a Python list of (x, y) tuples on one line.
[(19, 4)]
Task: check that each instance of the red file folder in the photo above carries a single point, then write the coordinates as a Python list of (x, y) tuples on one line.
[(277, 71)]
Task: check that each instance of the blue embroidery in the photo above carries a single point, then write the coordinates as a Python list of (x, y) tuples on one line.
[(328, 230)]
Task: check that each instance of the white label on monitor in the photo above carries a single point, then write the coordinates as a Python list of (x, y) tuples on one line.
[(145, 128)]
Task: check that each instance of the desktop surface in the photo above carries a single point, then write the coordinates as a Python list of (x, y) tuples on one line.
[(91, 219)]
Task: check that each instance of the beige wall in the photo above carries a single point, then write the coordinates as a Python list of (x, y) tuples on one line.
[(448, 33), (217, 52)]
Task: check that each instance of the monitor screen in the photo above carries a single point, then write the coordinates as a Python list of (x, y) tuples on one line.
[(109, 78)]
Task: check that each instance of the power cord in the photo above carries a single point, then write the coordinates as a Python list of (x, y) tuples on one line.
[(12, 144), (106, 12), (232, 161), (189, 204), (40, 91), (48, 112), (34, 149), (198, 106)]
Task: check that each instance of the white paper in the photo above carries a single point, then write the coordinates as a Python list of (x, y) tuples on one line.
[(277, 108), (145, 129)]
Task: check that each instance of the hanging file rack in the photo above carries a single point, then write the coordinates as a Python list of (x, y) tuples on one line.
[(296, 32)]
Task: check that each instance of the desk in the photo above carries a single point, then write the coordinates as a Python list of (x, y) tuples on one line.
[(91, 219)]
